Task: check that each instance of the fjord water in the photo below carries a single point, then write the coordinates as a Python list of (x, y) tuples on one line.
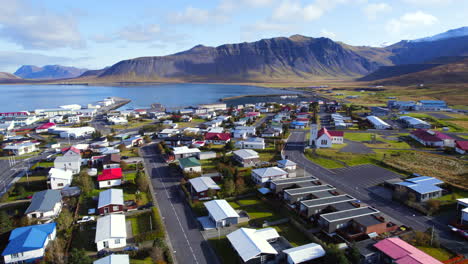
[(30, 97)]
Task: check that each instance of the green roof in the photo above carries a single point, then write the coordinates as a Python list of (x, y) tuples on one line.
[(189, 162)]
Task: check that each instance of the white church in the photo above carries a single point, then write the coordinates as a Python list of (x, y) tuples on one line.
[(324, 138)]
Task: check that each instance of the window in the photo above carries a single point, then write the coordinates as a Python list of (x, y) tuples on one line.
[(116, 208), (60, 184), (324, 142), (16, 255), (117, 241), (108, 182)]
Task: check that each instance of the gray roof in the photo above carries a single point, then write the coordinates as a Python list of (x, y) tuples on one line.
[(293, 180), (366, 247), (349, 214), (328, 200), (343, 206), (269, 172), (44, 201), (367, 220), (111, 196), (309, 189), (246, 153), (68, 158)]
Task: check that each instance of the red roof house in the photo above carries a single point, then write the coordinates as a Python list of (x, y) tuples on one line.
[(44, 127), (461, 146), (77, 151), (110, 177), (217, 138), (326, 138), (432, 138), (400, 252)]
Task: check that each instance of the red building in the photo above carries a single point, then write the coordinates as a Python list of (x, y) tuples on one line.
[(217, 138), (111, 201)]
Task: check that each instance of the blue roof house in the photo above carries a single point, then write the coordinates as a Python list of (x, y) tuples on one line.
[(424, 188), (28, 244)]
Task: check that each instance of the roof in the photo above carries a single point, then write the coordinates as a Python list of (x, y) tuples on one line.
[(46, 125), (110, 226), (336, 133), (430, 135), (248, 244), (286, 162), (462, 144), (184, 150), (110, 174), (422, 184), (60, 174), (269, 172), (328, 200), (110, 196), (349, 214), (404, 253), (305, 252), (432, 102), (293, 180), (28, 238), (220, 209), (189, 162), (217, 136), (68, 158), (309, 189), (413, 120), (377, 121), (201, 184), (113, 259), (367, 220), (44, 201), (246, 154)]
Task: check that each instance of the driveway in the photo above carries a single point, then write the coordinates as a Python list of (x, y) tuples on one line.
[(356, 147)]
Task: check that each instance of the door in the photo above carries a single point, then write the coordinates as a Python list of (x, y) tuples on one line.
[(105, 244), (106, 210)]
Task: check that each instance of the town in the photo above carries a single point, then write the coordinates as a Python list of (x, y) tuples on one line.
[(316, 180)]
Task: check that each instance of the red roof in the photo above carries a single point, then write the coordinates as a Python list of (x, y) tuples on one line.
[(46, 126), (218, 136), (404, 253), (302, 119), (462, 144), (336, 133), (252, 114), (330, 134), (110, 174), (430, 135), (77, 151)]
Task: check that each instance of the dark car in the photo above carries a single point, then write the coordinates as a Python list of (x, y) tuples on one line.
[(124, 157), (146, 206)]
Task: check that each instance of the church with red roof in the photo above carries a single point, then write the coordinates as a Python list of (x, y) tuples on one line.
[(325, 138)]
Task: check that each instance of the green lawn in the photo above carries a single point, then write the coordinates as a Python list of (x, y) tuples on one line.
[(32, 179), (292, 234), (25, 156), (147, 260), (246, 202), (234, 205), (140, 223), (133, 124), (45, 164), (388, 143), (194, 123), (132, 152), (438, 253), (463, 136), (208, 165), (130, 176), (224, 250), (268, 156), (358, 136), (324, 162)]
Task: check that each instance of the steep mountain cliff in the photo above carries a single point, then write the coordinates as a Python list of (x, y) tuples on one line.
[(48, 72)]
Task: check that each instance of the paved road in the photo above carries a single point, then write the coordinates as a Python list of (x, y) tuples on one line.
[(347, 181), (182, 228)]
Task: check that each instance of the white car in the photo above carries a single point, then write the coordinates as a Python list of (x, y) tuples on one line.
[(85, 219)]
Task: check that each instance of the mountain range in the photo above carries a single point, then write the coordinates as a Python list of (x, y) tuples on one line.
[(48, 72)]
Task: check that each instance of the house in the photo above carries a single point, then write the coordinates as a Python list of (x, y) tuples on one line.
[(213, 107), (462, 211), (423, 188), (243, 131), (191, 130), (254, 246), (251, 143), (44, 128), (28, 244), (59, 179), (378, 123), (168, 132), (184, 152), (297, 125), (270, 132), (134, 141), (246, 157), (395, 250), (178, 140), (331, 222), (114, 259), (110, 177), (277, 186), (221, 213), (401, 105), (431, 105), (461, 147), (56, 119), (117, 120), (432, 138), (21, 148), (45, 205), (324, 138), (77, 132), (206, 155), (379, 111), (304, 253), (286, 165), (111, 232), (263, 175), (69, 161), (414, 122), (199, 187), (190, 164), (217, 138), (111, 201), (198, 144)]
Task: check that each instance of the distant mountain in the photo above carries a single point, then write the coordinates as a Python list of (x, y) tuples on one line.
[(459, 32), (385, 72), (8, 76), (48, 72), (91, 73)]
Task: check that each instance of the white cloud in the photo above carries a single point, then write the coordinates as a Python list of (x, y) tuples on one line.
[(374, 9), (197, 16), (294, 10), (328, 34), (34, 27), (428, 2), (140, 33), (410, 21), (263, 26)]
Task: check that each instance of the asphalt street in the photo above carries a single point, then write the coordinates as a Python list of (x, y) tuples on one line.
[(350, 181), (181, 225)]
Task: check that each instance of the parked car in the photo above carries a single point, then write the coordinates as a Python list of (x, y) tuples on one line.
[(146, 206), (130, 248), (124, 157), (85, 219)]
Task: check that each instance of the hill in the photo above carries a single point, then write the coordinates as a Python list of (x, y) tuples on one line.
[(48, 72), (8, 76)]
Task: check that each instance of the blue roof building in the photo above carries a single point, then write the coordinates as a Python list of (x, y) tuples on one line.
[(424, 187), (431, 105), (27, 244)]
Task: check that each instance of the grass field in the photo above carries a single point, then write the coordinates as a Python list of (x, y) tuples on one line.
[(327, 163), (208, 165), (224, 250), (360, 137), (438, 253), (194, 123), (388, 143), (44, 164), (147, 260), (140, 223), (133, 124), (132, 152)]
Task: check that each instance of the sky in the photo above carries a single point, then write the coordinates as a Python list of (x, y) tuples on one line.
[(95, 34)]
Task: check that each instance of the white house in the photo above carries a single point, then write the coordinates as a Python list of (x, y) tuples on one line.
[(378, 123), (221, 213), (251, 143), (110, 177), (168, 132), (58, 178), (286, 165), (56, 119), (190, 164), (262, 175), (324, 138), (45, 205), (69, 161), (28, 244), (22, 148), (77, 132), (113, 259), (304, 253), (243, 131), (117, 120), (111, 232), (184, 152), (74, 119), (253, 246)]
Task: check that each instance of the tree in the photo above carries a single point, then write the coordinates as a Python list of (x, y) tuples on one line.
[(55, 254), (2, 138), (7, 224), (122, 147), (229, 146), (141, 181), (147, 139), (84, 182), (65, 219), (433, 205), (240, 185), (96, 134), (21, 190), (123, 165), (354, 254), (78, 256), (334, 255), (211, 192), (229, 187)]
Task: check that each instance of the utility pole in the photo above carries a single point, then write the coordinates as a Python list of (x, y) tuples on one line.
[(432, 234)]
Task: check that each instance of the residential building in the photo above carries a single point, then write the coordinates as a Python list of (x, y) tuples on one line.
[(324, 138), (221, 213), (28, 244), (263, 175), (74, 119), (178, 140), (246, 157), (56, 119), (185, 152), (117, 120), (190, 164), (45, 205), (431, 105), (401, 105), (77, 132), (217, 138), (199, 187), (134, 141), (59, 179), (113, 259), (251, 143), (206, 155), (304, 254), (308, 193), (271, 132), (286, 165), (462, 211), (414, 122), (254, 246), (244, 131), (379, 111), (423, 188), (331, 222), (14, 114), (298, 125), (44, 128), (395, 250), (21, 148), (110, 177), (111, 201), (111, 232), (277, 186), (168, 132), (69, 161), (432, 138), (461, 147), (378, 123)]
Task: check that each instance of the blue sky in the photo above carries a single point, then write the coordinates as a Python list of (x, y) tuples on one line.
[(94, 34)]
